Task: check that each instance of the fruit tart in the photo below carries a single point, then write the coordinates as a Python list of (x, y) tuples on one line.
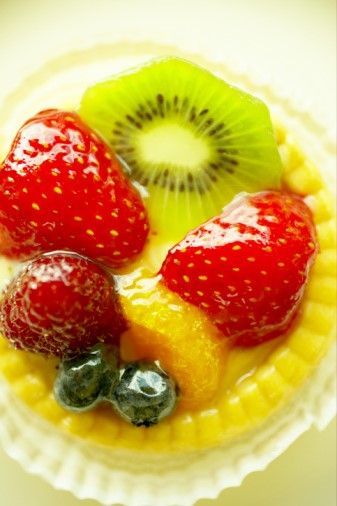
[(171, 256)]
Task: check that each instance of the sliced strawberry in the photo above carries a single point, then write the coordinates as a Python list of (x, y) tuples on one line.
[(248, 267), (62, 188), (61, 304)]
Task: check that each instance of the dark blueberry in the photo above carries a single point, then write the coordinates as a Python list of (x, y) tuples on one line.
[(83, 381), (144, 394)]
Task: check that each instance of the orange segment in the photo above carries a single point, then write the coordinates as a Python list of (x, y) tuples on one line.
[(163, 327)]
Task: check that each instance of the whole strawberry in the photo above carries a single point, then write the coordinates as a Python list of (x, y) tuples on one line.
[(61, 304), (248, 267), (62, 188)]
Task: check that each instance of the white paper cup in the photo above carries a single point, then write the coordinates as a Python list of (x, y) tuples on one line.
[(132, 478)]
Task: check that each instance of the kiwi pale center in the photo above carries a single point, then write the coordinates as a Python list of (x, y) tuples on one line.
[(172, 144)]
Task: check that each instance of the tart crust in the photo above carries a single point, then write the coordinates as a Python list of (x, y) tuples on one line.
[(256, 383)]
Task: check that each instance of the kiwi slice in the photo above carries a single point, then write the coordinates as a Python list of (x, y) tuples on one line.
[(190, 138)]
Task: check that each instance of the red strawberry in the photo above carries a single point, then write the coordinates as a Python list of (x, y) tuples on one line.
[(61, 304), (248, 267), (62, 188)]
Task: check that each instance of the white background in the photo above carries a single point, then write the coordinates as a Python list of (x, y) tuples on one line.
[(292, 44)]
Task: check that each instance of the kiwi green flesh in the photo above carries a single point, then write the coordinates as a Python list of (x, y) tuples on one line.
[(190, 138)]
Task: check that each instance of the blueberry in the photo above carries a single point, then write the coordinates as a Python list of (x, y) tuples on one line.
[(83, 381), (144, 394)]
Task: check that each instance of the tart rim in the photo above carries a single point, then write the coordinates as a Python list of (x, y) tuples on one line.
[(245, 405)]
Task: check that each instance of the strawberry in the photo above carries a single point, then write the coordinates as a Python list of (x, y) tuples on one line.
[(248, 267), (61, 304), (61, 187)]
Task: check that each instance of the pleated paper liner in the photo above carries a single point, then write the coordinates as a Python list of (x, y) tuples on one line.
[(189, 456)]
